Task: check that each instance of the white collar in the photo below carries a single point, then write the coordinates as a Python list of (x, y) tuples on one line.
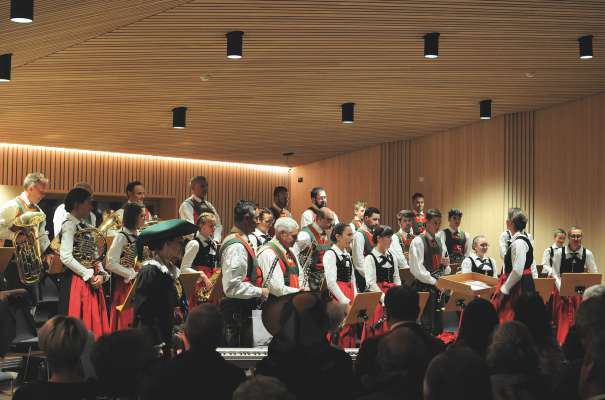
[(194, 197), (163, 269), (378, 253), (73, 218), (451, 230), (337, 250), (258, 232), (201, 237), (554, 246), (23, 196), (476, 256), (517, 234), (569, 251)]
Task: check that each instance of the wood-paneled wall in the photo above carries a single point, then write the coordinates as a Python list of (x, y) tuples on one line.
[(108, 174), (346, 178), (395, 180)]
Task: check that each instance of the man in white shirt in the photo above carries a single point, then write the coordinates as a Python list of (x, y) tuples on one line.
[(60, 213), (261, 234), (359, 209), (195, 204), (400, 246), (279, 264), (35, 185), (547, 258), (429, 261), (241, 277), (319, 199), (363, 243), (457, 242)]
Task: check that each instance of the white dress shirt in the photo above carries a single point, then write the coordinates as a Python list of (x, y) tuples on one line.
[(546, 267), (254, 239), (68, 230), (357, 247), (398, 251), (519, 249), (505, 238), (331, 273), (234, 265), (186, 213), (115, 252), (9, 211), (589, 266), (266, 257), (370, 267), (60, 215), (304, 240), (467, 242), (417, 267), (308, 217), (467, 265), (191, 250)]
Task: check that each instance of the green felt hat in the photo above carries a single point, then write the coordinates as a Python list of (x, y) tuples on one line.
[(166, 230)]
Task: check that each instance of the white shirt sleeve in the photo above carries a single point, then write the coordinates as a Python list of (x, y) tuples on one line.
[(396, 277), (58, 218), (306, 218), (357, 249), (556, 267), (397, 252), (447, 270), (253, 242), (370, 274), (417, 267), (331, 271), (495, 268), (186, 212), (66, 252), (234, 265), (440, 236), (276, 283), (43, 236), (191, 250), (303, 241), (503, 244), (519, 251), (466, 266), (8, 213), (546, 267), (591, 265), (468, 244), (113, 259)]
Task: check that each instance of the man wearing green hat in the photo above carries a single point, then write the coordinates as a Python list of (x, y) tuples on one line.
[(156, 292)]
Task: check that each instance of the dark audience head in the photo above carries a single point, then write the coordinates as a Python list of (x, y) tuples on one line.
[(304, 321), (512, 350), (131, 215), (75, 197), (531, 311), (262, 387), (592, 373), (245, 216), (402, 304), (590, 318), (478, 321), (120, 360), (459, 373), (204, 327), (63, 339)]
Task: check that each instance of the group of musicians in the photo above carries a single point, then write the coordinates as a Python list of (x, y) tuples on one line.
[(267, 254)]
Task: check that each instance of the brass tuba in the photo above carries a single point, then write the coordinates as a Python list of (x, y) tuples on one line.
[(28, 254)]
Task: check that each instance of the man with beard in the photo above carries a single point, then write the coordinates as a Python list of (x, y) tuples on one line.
[(319, 198)]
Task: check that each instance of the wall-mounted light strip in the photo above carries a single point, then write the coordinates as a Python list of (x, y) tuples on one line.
[(265, 168)]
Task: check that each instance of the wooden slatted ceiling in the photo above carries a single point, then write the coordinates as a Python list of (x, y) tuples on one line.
[(114, 91)]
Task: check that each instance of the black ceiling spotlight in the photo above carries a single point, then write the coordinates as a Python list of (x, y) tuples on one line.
[(485, 109), (431, 45), (22, 11), (178, 117), (5, 67), (234, 45), (348, 113), (585, 47)]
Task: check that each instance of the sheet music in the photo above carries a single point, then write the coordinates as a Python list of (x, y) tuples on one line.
[(477, 285)]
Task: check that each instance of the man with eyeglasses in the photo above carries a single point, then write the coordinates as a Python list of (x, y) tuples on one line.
[(573, 258)]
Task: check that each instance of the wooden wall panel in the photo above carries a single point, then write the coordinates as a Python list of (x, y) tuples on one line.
[(570, 172), (395, 161), (108, 174), (346, 178)]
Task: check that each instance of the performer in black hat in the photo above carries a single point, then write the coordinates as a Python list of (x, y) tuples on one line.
[(156, 295)]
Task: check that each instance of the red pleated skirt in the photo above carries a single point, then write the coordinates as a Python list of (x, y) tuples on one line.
[(506, 310), (346, 337), (375, 326), (564, 313), (88, 305), (120, 320)]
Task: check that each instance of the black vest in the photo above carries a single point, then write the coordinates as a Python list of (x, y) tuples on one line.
[(479, 268), (574, 264), (384, 274), (344, 267), (455, 245), (529, 257), (203, 256)]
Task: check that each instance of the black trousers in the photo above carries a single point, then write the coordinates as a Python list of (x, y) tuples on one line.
[(432, 318)]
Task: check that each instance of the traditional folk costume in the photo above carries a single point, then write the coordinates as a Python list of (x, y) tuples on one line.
[(340, 281), (355, 224), (278, 212), (193, 207), (122, 250), (564, 308), (517, 278), (363, 243), (157, 291), (547, 259), (313, 235), (200, 255), (426, 254), (258, 238), (77, 298), (474, 263), (419, 223), (242, 280), (60, 215), (458, 245), (400, 248), (505, 240), (382, 273), (310, 215), (285, 276), (120, 215)]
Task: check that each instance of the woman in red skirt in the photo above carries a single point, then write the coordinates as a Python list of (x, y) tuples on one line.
[(120, 262), (382, 273), (81, 291), (340, 280), (517, 277)]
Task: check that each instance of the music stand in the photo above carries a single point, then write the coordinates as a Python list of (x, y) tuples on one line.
[(6, 254), (465, 287), (573, 284), (363, 308), (457, 302), (423, 298), (406, 276), (544, 287), (188, 281)]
